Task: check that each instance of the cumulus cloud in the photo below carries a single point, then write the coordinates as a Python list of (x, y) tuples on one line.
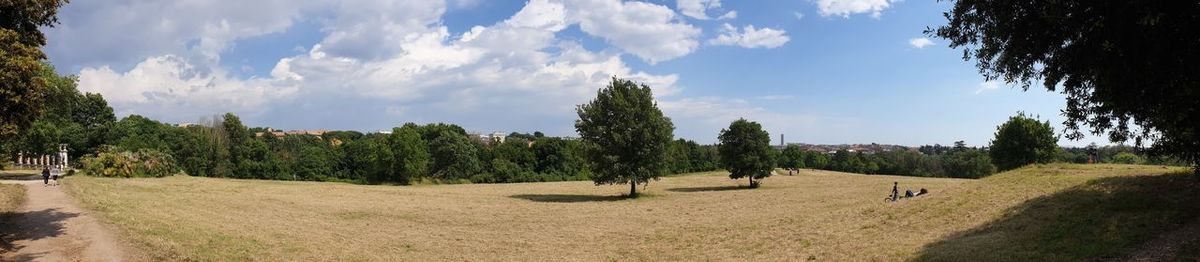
[(728, 15), (750, 37), (124, 32), (172, 84), (399, 53), (698, 9), (845, 8), (649, 31), (920, 42)]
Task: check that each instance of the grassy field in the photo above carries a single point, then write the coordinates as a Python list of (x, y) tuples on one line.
[(1051, 212), (11, 197), (20, 174)]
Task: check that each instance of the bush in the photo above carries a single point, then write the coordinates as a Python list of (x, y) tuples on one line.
[(1127, 158), (142, 163)]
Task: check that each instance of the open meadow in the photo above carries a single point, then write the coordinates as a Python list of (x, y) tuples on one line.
[(1046, 212)]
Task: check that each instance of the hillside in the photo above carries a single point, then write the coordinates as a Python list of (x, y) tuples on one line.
[(1052, 212)]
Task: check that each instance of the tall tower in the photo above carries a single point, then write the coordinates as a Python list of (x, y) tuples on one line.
[(781, 143)]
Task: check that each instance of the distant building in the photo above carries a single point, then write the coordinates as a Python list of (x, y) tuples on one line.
[(498, 137)]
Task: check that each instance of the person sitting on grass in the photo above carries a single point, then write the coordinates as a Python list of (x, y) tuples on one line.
[(895, 191)]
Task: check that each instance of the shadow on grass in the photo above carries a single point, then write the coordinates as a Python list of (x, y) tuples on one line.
[(708, 189), (1104, 219), (34, 225), (567, 198)]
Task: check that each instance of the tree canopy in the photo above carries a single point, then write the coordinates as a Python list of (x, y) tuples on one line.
[(1021, 141), (625, 134), (746, 151), (22, 83), (1130, 69)]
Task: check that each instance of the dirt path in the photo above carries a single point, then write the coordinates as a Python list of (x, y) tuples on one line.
[(51, 227)]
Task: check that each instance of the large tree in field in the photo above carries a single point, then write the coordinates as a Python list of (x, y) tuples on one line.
[(1130, 69), (1022, 141), (22, 88), (411, 153), (746, 151), (625, 134)]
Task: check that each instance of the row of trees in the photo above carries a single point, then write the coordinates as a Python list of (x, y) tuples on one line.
[(225, 147), (959, 161)]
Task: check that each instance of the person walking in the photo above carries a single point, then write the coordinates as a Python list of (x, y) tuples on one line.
[(45, 176)]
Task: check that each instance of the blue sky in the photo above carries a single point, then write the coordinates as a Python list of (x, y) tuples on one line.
[(819, 71)]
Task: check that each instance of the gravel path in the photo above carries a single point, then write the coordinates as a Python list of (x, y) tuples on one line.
[(51, 227)]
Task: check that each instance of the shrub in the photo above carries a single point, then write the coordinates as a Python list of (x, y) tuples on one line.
[(1127, 158), (142, 163)]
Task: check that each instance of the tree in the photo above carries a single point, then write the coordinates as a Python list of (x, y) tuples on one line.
[(792, 157), (1128, 68), (1022, 141), (625, 135), (368, 159), (453, 156), (746, 151), (965, 162), (816, 160), (21, 87), (411, 153), (1127, 158)]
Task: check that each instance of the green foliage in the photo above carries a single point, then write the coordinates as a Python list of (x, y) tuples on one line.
[(411, 153), (1022, 141), (1127, 68), (22, 88), (1127, 158), (792, 157), (454, 157), (141, 163), (625, 135), (369, 158), (745, 150), (964, 162), (558, 159)]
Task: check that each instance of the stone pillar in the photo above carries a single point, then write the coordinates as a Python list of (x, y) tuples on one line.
[(20, 158), (63, 156)]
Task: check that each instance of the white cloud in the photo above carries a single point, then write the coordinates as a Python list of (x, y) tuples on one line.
[(651, 32), (728, 15), (697, 8), (845, 8), (750, 37), (124, 32), (172, 85), (920, 42), (798, 15), (987, 86), (401, 55)]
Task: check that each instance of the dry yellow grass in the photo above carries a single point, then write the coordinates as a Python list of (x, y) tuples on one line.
[(814, 215), (11, 197)]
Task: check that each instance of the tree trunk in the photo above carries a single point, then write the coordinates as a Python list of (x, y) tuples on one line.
[(632, 188), (752, 181)]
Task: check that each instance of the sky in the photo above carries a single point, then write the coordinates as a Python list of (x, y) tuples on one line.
[(817, 71)]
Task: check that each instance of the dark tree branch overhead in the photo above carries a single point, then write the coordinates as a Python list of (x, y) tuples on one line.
[(1129, 69)]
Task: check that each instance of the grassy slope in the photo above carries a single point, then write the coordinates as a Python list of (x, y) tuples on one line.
[(1054, 212), (11, 197)]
